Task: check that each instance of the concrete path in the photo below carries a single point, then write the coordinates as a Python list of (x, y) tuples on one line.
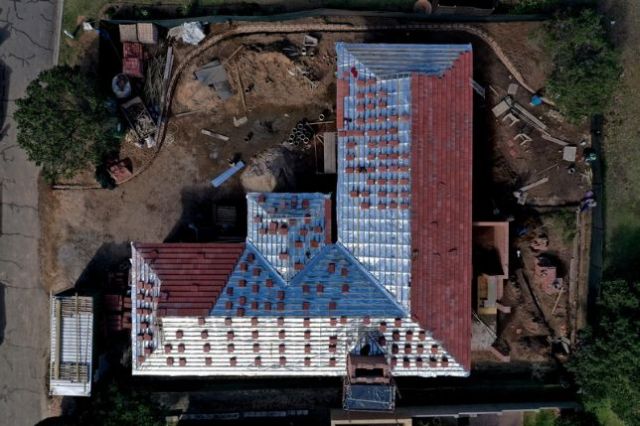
[(27, 39)]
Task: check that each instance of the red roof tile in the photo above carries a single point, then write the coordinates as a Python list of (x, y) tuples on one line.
[(191, 275), (441, 206)]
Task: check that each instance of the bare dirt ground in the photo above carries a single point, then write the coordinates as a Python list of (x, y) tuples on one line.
[(86, 233)]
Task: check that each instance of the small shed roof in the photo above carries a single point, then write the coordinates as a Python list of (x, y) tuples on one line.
[(71, 345)]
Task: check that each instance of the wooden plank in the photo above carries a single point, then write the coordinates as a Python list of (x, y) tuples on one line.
[(329, 152), (56, 366)]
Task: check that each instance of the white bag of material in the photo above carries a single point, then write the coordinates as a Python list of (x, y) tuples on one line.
[(189, 32)]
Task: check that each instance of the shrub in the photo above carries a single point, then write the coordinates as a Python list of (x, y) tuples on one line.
[(586, 67)]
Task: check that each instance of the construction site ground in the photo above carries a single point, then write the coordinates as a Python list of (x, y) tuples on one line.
[(86, 233)]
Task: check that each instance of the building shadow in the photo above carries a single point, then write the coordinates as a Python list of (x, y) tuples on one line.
[(5, 73), (108, 258), (3, 314), (207, 217)]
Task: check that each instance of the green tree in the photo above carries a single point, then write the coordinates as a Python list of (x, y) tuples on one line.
[(116, 406), (64, 123), (586, 67), (607, 364)]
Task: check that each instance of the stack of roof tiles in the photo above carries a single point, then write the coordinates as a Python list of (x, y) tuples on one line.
[(289, 301)]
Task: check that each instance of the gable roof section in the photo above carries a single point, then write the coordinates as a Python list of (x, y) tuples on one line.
[(404, 117), (441, 221), (191, 275), (332, 284), (288, 229)]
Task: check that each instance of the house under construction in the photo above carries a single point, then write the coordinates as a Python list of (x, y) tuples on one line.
[(391, 297)]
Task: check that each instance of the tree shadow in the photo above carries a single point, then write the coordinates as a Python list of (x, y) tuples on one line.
[(623, 253)]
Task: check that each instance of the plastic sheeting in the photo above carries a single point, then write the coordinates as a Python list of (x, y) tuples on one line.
[(369, 397), (189, 32)]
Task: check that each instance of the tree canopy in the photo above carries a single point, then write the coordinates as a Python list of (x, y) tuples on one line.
[(607, 364), (63, 123), (586, 66)]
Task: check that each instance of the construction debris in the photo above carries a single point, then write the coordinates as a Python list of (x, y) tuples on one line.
[(301, 134), (214, 135), (550, 138), (546, 275), (269, 171), (477, 87), (521, 194), (569, 154), (540, 243), (133, 59), (120, 170), (237, 122), (214, 75), (140, 121), (143, 32), (329, 144), (120, 86), (500, 109), (224, 176), (512, 119)]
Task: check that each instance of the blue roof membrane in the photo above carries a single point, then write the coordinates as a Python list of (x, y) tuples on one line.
[(332, 284), (289, 229)]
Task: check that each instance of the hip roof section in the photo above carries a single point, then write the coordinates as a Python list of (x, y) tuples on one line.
[(191, 275)]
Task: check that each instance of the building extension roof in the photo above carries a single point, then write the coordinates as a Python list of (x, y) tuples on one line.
[(292, 302)]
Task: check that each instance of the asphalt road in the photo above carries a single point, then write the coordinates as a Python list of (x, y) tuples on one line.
[(27, 40)]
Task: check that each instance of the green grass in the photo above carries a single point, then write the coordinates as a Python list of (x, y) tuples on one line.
[(562, 222), (90, 9), (541, 418), (622, 155)]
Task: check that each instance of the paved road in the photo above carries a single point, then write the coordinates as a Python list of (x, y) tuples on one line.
[(26, 47)]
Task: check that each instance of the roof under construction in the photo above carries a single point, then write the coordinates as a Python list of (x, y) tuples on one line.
[(290, 301)]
